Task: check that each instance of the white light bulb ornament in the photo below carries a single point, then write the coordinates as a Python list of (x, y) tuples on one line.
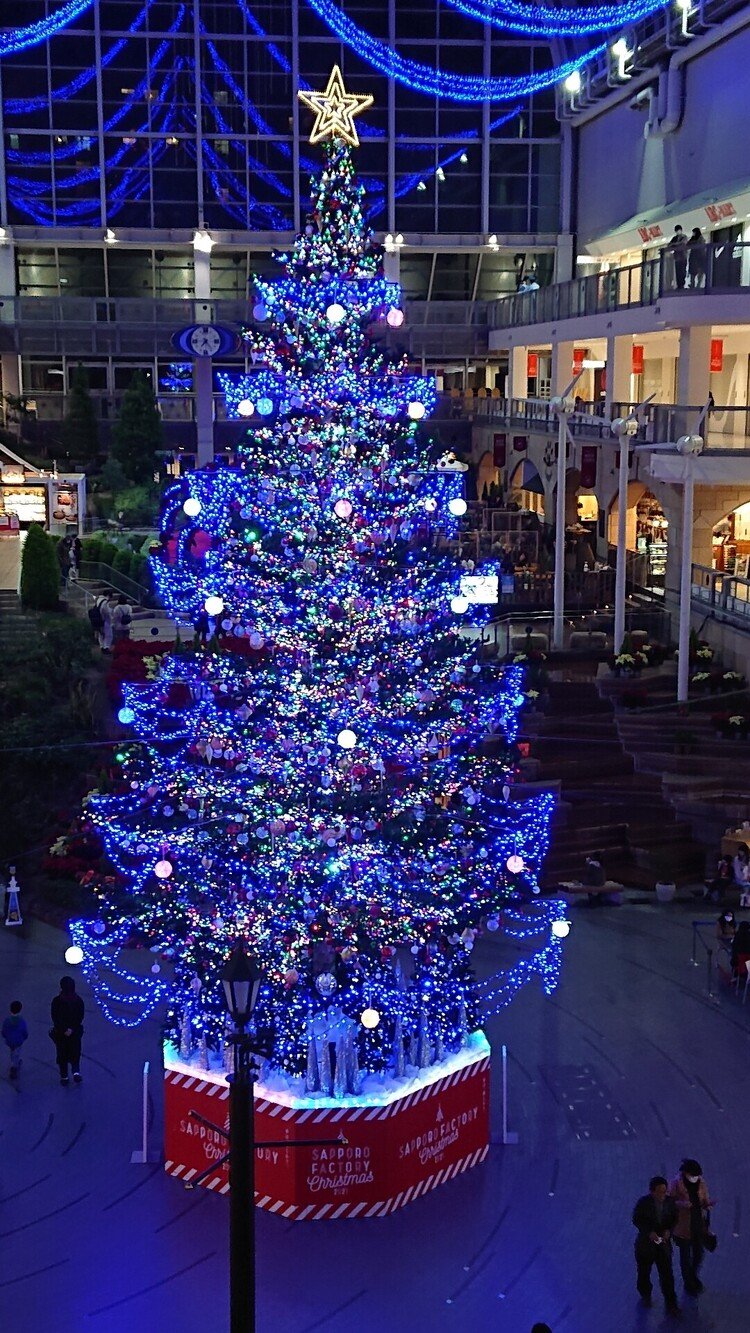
[(335, 314), (515, 864), (245, 408), (560, 929), (347, 739), (369, 1018), (459, 605), (192, 506), (213, 606), (163, 869), (416, 410), (74, 955), (457, 506)]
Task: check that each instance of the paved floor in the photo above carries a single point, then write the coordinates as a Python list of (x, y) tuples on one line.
[(10, 563), (625, 1069)]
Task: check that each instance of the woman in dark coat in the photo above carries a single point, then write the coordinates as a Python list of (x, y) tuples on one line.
[(67, 1030)]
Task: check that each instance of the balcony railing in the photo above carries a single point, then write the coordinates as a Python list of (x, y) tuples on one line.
[(725, 596), (724, 427), (716, 268)]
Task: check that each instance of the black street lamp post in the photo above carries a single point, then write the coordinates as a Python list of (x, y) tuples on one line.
[(241, 979)]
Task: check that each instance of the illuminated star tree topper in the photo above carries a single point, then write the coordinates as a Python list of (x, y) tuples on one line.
[(335, 110)]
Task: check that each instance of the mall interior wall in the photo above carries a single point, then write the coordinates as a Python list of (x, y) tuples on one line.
[(709, 151)]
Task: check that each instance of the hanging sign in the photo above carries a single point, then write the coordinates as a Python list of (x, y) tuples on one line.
[(579, 356), (589, 455), (718, 212), (499, 447), (532, 365), (520, 443), (636, 364), (717, 355)]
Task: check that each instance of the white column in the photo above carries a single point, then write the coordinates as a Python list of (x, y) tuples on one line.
[(619, 356), (10, 362), (392, 265), (558, 626), (517, 384), (694, 365), (203, 385), (683, 658), (562, 366), (622, 534)]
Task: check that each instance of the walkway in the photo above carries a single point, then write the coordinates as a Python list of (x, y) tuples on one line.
[(624, 1069)]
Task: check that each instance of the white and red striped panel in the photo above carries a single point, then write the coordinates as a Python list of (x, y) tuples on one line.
[(337, 1161)]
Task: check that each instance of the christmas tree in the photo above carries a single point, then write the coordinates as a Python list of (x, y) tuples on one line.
[(324, 775)]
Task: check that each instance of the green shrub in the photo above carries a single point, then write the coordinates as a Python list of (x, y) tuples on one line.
[(121, 562), (134, 541), (91, 549), (80, 428), (138, 432), (40, 572), (141, 571), (108, 553), (136, 505)]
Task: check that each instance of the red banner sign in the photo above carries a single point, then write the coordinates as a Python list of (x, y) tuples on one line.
[(589, 455), (717, 355), (651, 233), (579, 356), (390, 1153), (532, 365), (715, 212), (499, 447), (637, 359)]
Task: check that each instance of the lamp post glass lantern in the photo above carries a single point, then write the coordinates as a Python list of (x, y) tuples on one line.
[(241, 980)]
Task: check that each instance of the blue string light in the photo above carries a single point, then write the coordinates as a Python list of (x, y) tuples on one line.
[(18, 39), (64, 151), (19, 106), (544, 21), (419, 77)]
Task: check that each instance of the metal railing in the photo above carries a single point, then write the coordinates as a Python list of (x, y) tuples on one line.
[(93, 571), (724, 428), (725, 596), (708, 952), (713, 268), (135, 312)]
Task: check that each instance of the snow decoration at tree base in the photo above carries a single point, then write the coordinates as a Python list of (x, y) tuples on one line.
[(397, 1140)]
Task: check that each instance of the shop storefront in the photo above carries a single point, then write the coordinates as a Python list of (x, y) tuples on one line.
[(651, 539), (730, 551), (26, 497)]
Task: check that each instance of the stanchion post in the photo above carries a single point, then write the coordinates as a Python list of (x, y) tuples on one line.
[(508, 1135), (142, 1154)]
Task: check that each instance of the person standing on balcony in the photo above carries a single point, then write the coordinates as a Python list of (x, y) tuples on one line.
[(696, 259), (677, 247)]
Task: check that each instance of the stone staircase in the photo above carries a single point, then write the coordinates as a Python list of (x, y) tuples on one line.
[(606, 805), (18, 628), (703, 775)]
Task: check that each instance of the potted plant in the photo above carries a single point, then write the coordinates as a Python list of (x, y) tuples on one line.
[(732, 680), (737, 726)]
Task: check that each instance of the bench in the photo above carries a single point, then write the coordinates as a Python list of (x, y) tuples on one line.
[(610, 892)]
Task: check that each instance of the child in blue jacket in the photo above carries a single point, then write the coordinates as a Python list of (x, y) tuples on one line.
[(15, 1032)]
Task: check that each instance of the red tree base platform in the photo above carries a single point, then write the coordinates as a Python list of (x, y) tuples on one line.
[(398, 1144)]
